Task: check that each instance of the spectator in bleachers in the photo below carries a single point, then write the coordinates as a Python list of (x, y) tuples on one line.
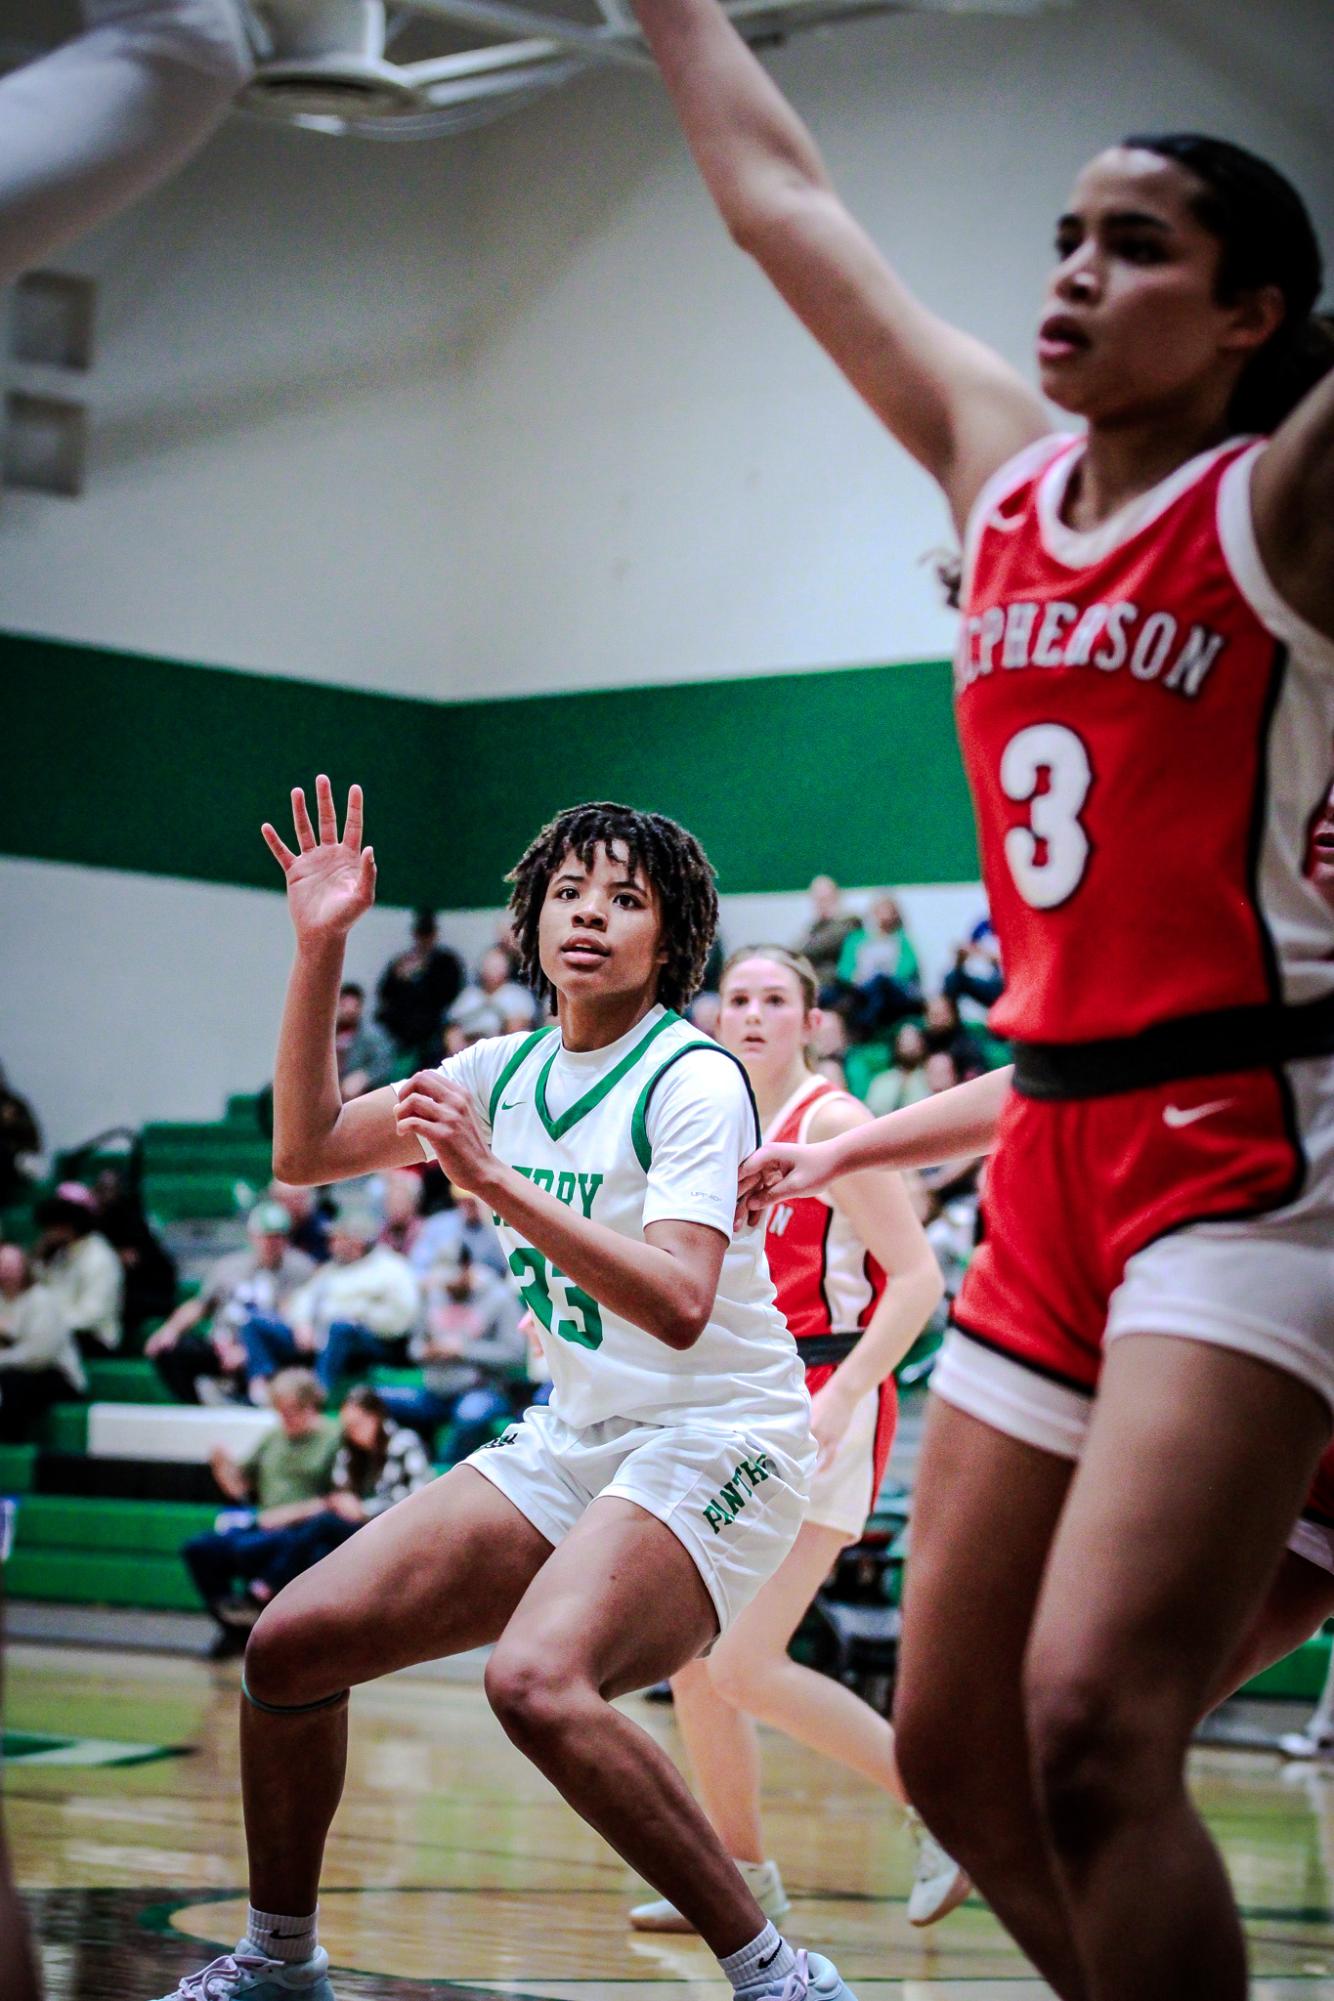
[(307, 1215), (355, 1312), (39, 1359), (379, 1462), (20, 1140), (494, 1003), (208, 1368), (79, 1265), (470, 1350), (905, 1082), (149, 1267), (946, 1035), (878, 980), (364, 1054), (402, 1197), (416, 991), (291, 1467), (464, 1227), (828, 931), (976, 973)]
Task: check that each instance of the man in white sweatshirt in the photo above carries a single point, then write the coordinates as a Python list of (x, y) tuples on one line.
[(78, 1264), (357, 1310)]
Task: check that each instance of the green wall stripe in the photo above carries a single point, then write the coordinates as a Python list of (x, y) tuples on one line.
[(118, 761)]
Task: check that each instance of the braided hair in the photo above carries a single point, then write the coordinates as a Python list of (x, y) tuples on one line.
[(1266, 238), (668, 857)]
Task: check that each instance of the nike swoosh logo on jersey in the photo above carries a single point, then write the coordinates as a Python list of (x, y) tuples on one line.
[(1186, 1115), (514, 1107)]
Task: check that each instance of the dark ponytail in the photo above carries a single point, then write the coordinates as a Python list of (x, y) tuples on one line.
[(1267, 238)]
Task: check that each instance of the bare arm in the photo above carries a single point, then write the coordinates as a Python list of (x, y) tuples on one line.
[(95, 124), (961, 1121), (187, 1315), (954, 404), (1293, 500), (666, 1284), (233, 1479), (876, 1203), (330, 882)]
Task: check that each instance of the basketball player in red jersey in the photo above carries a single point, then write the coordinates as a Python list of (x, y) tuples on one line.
[(829, 1257), (1146, 706)]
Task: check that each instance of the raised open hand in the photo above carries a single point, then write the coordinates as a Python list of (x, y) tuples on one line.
[(329, 881)]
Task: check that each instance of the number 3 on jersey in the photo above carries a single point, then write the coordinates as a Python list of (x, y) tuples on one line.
[(1048, 856), (535, 1276)]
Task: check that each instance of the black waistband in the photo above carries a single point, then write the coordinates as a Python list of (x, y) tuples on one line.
[(816, 1349), (1196, 1045)]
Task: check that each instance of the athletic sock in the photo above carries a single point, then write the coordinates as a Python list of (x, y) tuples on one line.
[(277, 1937), (761, 1966)]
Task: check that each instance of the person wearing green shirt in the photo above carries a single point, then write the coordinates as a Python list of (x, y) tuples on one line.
[(878, 974), (283, 1480)]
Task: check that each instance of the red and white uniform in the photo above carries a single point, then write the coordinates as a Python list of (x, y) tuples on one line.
[(828, 1286), (1149, 736)]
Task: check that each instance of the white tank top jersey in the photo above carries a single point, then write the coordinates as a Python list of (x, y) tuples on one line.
[(651, 1129)]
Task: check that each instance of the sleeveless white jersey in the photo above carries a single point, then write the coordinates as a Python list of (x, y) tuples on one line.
[(651, 1129)]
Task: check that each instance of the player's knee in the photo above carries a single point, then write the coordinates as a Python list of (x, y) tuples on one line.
[(284, 1661), (1099, 1755), (739, 1677), (532, 1694)]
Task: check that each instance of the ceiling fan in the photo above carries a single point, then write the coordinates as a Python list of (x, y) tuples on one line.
[(354, 68)]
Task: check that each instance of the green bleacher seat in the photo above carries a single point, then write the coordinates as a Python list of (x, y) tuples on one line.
[(105, 1552), (243, 1110), (65, 1427), (153, 1583), (173, 1198), (125, 1380), (16, 1468)]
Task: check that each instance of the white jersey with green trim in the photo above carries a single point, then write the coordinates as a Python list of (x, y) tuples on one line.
[(652, 1128)]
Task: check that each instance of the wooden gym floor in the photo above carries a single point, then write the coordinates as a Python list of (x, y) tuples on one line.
[(454, 1868)]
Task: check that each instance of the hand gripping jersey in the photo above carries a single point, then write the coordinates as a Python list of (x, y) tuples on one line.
[(652, 1128), (828, 1283), (1149, 736)]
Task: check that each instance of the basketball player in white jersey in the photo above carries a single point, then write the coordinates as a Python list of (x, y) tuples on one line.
[(615, 1534), (91, 127)]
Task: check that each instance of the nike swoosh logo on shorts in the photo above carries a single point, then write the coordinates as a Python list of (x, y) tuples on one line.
[(1186, 1115)]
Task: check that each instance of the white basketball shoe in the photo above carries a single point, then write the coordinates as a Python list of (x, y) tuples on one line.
[(250, 1975), (939, 1884), (761, 1879)]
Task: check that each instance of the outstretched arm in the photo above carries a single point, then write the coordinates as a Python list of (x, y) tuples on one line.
[(947, 1126), (88, 129), (950, 401), (330, 882)]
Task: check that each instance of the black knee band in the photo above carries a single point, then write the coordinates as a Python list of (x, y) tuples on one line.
[(294, 1708)]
